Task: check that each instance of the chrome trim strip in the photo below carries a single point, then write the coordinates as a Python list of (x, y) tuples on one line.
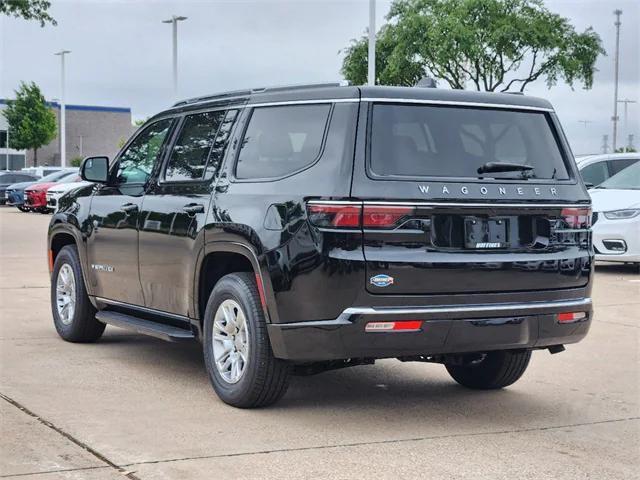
[(142, 309), (529, 308), (455, 103), (303, 102), (490, 205), (452, 204), (334, 202), (500, 307)]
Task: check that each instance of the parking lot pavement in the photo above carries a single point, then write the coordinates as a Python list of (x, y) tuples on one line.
[(131, 406)]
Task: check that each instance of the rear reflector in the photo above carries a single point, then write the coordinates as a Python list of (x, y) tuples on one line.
[(577, 218), (569, 317), (401, 326)]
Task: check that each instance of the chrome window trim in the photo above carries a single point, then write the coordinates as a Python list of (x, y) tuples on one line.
[(456, 103)]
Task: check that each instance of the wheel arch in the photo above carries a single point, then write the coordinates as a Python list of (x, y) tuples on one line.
[(222, 258), (61, 235)]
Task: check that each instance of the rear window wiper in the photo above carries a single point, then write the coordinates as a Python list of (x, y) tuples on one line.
[(493, 167)]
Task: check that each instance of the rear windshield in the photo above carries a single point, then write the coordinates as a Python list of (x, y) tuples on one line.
[(437, 141)]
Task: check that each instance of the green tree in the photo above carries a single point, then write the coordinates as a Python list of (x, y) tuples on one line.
[(32, 124), (28, 9), (496, 44)]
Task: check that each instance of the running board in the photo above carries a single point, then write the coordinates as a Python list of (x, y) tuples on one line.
[(145, 327)]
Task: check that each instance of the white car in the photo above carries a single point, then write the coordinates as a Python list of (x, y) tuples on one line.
[(616, 217), (595, 169), (59, 189)]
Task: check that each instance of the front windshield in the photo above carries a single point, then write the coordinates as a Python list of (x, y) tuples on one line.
[(55, 176), (627, 179)]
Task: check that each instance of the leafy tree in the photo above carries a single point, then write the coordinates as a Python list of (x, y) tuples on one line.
[(32, 124), (76, 161), (28, 9), (625, 150), (496, 44)]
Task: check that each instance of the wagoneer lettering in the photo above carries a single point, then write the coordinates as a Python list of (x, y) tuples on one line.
[(294, 230)]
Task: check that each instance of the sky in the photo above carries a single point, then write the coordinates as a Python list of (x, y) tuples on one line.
[(121, 53)]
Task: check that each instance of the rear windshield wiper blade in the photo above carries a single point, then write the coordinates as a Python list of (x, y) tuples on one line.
[(492, 167)]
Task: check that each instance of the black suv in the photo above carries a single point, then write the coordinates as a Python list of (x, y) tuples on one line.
[(300, 229)]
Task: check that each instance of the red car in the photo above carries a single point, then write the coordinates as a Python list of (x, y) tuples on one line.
[(35, 196)]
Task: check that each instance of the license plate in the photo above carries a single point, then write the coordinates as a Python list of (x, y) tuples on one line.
[(486, 233)]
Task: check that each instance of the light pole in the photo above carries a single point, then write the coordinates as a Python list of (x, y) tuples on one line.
[(6, 167), (626, 102), (371, 62), (174, 21), (617, 13), (63, 133)]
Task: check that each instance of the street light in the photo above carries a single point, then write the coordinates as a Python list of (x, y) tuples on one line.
[(174, 21), (626, 102), (371, 61), (63, 133)]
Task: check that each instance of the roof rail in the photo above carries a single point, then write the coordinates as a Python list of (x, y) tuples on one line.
[(243, 93), (216, 96)]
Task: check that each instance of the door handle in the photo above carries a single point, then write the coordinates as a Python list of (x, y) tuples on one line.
[(193, 208), (128, 207)]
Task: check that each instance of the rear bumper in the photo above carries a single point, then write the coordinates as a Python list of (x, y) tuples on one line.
[(445, 329)]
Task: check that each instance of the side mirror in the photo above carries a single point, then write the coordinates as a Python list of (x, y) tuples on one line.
[(95, 169)]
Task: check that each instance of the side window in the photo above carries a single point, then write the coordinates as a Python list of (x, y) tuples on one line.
[(281, 140), (136, 162), (191, 150), (595, 174), (616, 166), (220, 144)]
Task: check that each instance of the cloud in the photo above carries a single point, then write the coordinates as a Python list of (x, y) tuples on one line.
[(121, 52)]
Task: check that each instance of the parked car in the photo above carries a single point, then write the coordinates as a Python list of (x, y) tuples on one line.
[(9, 178), (15, 192), (302, 229), (616, 217), (43, 171), (59, 189), (595, 169), (35, 196)]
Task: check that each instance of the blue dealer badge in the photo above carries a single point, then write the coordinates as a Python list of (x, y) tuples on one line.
[(381, 280)]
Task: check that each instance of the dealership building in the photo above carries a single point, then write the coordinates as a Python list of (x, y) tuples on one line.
[(91, 130)]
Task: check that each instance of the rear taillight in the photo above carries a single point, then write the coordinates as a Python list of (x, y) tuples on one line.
[(334, 215), (354, 215), (570, 317), (576, 218), (384, 216)]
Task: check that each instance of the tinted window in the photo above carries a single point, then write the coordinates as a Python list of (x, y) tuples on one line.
[(595, 174), (418, 140), (627, 179), (6, 178), (137, 161), (281, 140), (191, 150), (220, 144), (616, 166)]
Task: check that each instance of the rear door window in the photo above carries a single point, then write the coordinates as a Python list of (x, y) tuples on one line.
[(595, 174), (191, 150), (441, 141), (281, 140)]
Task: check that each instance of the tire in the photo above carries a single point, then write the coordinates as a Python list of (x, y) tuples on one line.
[(496, 370), (23, 209), (80, 325), (260, 379)]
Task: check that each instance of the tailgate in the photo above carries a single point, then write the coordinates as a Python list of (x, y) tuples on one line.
[(427, 249)]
